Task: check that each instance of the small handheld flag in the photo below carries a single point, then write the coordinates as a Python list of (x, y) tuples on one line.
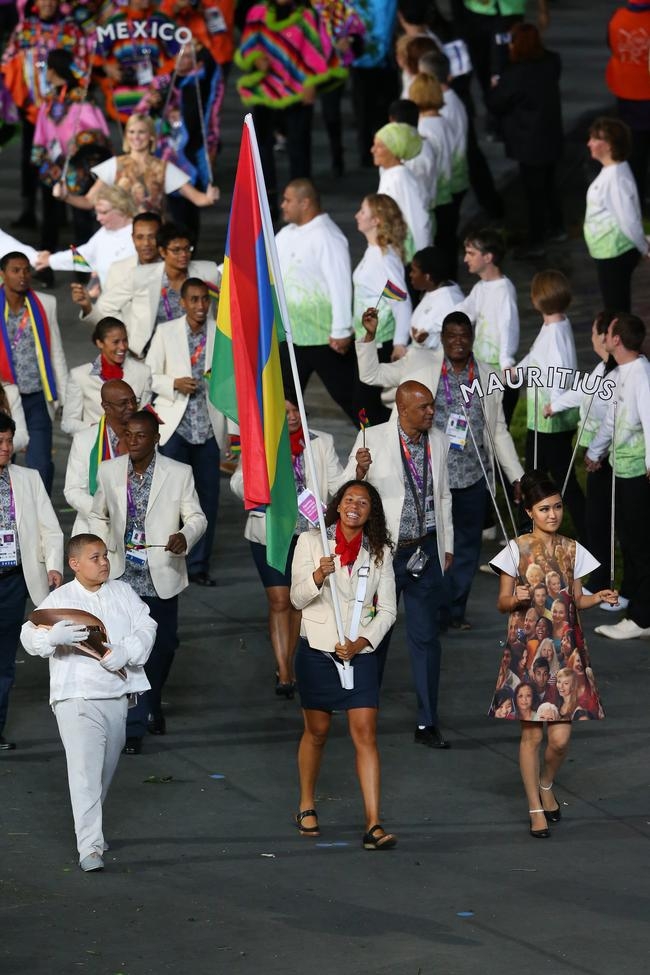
[(363, 423), (79, 261), (393, 292)]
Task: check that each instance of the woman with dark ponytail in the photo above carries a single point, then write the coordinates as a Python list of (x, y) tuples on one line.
[(567, 558)]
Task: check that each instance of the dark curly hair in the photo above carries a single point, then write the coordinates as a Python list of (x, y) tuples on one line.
[(375, 528)]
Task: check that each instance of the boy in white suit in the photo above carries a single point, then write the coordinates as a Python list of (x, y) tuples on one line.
[(90, 697)]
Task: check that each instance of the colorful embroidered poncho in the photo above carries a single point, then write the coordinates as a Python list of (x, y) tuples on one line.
[(298, 49)]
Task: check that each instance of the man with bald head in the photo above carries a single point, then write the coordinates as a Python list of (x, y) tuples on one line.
[(406, 460), (315, 262), (94, 444)]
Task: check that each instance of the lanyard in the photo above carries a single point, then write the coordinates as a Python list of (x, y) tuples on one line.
[(298, 471), (413, 478), (445, 381), (199, 350), (166, 303), (22, 325)]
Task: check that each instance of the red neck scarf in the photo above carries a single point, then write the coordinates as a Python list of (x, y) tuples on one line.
[(110, 370), (297, 442), (347, 550)]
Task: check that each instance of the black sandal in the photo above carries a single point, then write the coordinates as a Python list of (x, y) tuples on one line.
[(384, 842), (307, 830)]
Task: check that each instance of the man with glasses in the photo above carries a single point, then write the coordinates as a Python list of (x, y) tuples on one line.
[(91, 446), (157, 287)]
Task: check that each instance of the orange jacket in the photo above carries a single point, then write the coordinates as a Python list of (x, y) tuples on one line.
[(628, 69), (211, 23)]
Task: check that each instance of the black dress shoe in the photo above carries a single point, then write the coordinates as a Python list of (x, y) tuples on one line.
[(133, 746), (202, 579), (6, 746), (157, 725), (430, 737)]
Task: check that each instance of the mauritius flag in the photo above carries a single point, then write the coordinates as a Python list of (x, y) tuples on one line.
[(246, 379)]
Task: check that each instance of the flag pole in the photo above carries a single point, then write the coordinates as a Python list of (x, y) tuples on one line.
[(269, 238), (577, 444), (612, 527)]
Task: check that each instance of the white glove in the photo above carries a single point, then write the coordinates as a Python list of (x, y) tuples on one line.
[(65, 633), (117, 658)]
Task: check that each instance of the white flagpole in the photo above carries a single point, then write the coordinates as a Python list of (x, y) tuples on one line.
[(612, 527), (269, 238)]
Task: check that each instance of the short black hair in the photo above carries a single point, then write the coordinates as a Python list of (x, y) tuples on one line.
[(192, 283), (540, 663), (78, 542), (630, 329), (404, 110), (12, 256), (487, 240), (146, 416), (432, 261), (7, 424), (147, 217), (173, 231), (457, 318)]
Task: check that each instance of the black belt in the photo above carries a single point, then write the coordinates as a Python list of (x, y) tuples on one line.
[(412, 542)]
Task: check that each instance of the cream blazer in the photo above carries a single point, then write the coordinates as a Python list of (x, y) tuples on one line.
[(169, 359), (39, 533), (77, 480), (318, 624), (387, 475), (329, 475), (424, 365), (147, 286), (83, 396), (21, 436), (173, 506), (117, 293)]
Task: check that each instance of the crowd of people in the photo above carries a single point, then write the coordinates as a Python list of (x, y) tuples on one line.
[(436, 373)]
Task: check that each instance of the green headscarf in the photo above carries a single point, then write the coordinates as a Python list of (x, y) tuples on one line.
[(401, 139)]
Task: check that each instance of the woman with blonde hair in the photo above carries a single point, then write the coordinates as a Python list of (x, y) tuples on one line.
[(380, 221), (114, 210), (145, 177), (426, 92)]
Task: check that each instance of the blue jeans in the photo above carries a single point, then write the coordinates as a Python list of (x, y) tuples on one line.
[(468, 515), (39, 426), (204, 459), (13, 593), (422, 600)]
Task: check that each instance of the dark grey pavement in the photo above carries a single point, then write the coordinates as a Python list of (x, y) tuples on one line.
[(206, 874)]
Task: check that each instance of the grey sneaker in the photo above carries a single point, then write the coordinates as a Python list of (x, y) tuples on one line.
[(92, 862)]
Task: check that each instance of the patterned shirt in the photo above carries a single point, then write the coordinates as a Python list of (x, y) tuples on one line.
[(462, 465), (23, 352), (195, 426), (138, 489), (169, 306), (411, 525), (7, 522)]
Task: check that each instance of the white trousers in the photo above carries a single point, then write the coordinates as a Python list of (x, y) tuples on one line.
[(93, 735)]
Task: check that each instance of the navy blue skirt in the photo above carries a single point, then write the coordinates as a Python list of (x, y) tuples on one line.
[(319, 685)]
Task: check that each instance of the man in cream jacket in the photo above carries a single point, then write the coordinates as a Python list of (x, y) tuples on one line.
[(406, 460), (147, 512), (31, 555), (193, 431)]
